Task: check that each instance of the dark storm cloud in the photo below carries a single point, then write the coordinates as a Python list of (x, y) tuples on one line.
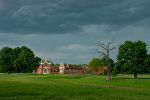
[(68, 16)]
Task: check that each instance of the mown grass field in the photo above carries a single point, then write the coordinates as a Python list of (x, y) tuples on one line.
[(73, 87)]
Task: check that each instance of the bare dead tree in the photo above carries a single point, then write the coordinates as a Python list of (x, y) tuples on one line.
[(106, 56)]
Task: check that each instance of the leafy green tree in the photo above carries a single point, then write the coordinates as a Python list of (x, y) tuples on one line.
[(6, 59), (35, 62), (18, 60), (148, 63), (132, 58), (17, 65), (83, 64), (95, 64), (57, 64), (26, 57)]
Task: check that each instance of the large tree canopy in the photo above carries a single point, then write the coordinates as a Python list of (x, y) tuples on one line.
[(132, 58), (18, 60), (95, 64)]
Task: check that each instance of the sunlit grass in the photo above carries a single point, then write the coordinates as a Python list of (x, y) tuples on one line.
[(73, 87), (142, 81)]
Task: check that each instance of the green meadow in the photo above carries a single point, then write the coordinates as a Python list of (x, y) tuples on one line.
[(73, 87)]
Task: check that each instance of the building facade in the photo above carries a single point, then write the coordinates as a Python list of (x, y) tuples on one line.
[(46, 68), (43, 68)]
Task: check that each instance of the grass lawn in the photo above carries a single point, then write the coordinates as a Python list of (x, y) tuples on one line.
[(73, 87)]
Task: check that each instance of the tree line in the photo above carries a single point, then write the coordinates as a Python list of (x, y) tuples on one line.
[(95, 63), (18, 60)]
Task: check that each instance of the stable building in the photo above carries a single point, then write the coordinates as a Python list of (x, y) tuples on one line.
[(43, 68), (72, 69), (46, 68)]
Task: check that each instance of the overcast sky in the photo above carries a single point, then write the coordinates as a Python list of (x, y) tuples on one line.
[(67, 30)]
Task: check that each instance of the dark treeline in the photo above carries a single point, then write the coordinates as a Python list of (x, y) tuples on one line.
[(17, 60)]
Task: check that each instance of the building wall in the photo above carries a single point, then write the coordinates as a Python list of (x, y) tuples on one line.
[(38, 70), (61, 69), (43, 67), (73, 71), (54, 70), (46, 66), (84, 71)]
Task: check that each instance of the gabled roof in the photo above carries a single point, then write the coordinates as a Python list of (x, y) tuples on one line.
[(83, 67), (74, 67)]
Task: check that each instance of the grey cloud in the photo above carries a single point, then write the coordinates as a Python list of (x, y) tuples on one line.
[(72, 48), (65, 16)]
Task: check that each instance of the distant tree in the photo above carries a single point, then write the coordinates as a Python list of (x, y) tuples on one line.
[(52, 64), (18, 60), (112, 63), (95, 64), (148, 64), (6, 60), (57, 64), (26, 60), (102, 45), (35, 62), (83, 64), (132, 58)]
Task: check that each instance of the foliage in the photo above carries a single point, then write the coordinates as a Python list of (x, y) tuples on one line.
[(148, 63), (83, 64), (57, 64), (112, 63), (18, 60), (95, 64), (6, 59), (132, 58)]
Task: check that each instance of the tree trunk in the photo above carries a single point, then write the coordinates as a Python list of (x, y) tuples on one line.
[(135, 75), (108, 74), (108, 66)]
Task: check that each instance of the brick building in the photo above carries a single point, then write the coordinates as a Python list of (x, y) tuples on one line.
[(72, 69), (46, 68), (101, 70), (43, 68)]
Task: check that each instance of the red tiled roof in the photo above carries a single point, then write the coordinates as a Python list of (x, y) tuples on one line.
[(104, 67), (75, 67), (83, 67)]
